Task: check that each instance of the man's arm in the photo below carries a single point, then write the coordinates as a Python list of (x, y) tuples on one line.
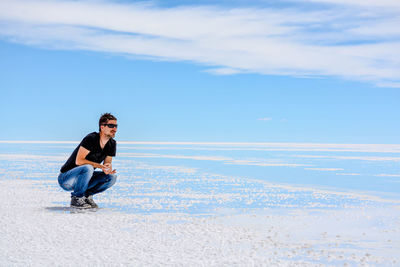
[(108, 164), (108, 159), (80, 158)]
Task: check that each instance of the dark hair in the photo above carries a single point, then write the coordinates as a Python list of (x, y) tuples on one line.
[(105, 118)]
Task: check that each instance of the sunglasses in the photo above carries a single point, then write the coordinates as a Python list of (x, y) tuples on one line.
[(111, 125)]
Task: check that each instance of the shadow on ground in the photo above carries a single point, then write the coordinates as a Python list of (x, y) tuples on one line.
[(69, 210)]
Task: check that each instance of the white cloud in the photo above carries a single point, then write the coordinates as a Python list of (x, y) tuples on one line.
[(389, 84), (324, 169), (279, 41), (265, 119), (223, 71), (387, 4), (387, 175)]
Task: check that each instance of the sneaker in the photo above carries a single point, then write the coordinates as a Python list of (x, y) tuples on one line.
[(79, 203), (90, 201)]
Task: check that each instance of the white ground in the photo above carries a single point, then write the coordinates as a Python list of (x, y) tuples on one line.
[(36, 230)]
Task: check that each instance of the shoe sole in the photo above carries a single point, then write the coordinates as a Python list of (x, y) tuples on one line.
[(82, 211), (81, 208)]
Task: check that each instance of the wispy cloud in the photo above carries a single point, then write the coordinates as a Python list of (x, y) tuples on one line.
[(265, 119), (386, 4), (223, 71), (324, 169), (352, 42), (387, 175)]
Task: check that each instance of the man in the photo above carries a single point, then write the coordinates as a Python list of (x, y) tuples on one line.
[(78, 173)]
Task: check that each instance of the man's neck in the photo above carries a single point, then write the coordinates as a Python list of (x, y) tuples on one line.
[(104, 137)]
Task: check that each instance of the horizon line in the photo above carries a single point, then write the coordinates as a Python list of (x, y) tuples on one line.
[(193, 143)]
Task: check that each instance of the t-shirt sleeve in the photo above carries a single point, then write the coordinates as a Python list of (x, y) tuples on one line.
[(112, 149), (88, 142)]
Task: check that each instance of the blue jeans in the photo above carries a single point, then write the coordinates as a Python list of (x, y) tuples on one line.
[(84, 181)]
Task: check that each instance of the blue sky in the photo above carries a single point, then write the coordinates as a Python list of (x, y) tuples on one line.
[(297, 71)]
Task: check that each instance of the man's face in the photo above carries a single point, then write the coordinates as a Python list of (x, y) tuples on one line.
[(107, 130)]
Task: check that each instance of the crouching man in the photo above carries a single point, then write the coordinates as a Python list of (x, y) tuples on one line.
[(78, 173)]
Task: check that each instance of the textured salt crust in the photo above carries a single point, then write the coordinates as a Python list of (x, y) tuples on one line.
[(175, 216), (365, 158), (37, 232), (225, 160)]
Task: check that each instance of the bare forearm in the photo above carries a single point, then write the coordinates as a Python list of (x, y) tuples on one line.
[(85, 161), (108, 165)]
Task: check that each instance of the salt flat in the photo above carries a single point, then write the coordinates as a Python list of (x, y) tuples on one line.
[(175, 215)]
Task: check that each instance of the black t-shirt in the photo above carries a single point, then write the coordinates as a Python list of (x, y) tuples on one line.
[(92, 143)]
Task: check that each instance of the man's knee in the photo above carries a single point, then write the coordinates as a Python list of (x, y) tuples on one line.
[(87, 168)]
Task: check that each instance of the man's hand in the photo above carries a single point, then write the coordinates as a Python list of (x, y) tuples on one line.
[(107, 169)]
